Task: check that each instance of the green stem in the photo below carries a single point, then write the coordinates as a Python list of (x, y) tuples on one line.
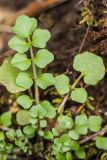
[(61, 107), (36, 90)]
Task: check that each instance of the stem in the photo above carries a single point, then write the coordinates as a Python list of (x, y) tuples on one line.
[(61, 107), (36, 90)]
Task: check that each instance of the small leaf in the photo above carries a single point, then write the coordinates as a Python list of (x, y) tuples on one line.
[(28, 130), (37, 111), (65, 122), (2, 136), (62, 84), (23, 117), (101, 142), (50, 110), (24, 26), (94, 123), (24, 80), (8, 75), (41, 133), (55, 132), (79, 95), (81, 122), (60, 157), (91, 66), (73, 134), (43, 123), (48, 135), (21, 61), (40, 37), (45, 80), (10, 134), (68, 156), (80, 154), (6, 118), (43, 58), (18, 44), (25, 101)]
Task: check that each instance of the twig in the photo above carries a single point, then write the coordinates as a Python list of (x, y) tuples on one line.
[(6, 55), (93, 136), (5, 28), (4, 128), (34, 74), (67, 96), (82, 44), (33, 9)]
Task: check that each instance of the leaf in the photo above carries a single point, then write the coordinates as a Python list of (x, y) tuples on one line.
[(81, 122), (43, 123), (101, 142), (40, 37), (28, 130), (65, 122), (21, 61), (24, 80), (62, 84), (45, 80), (24, 26), (55, 132), (48, 135), (10, 134), (50, 110), (79, 95), (43, 58), (6, 118), (37, 111), (8, 75), (73, 134), (2, 136), (25, 101), (23, 117), (18, 44), (60, 157), (68, 156), (94, 123), (91, 66), (80, 154)]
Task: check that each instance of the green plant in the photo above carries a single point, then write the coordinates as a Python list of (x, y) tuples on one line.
[(37, 119)]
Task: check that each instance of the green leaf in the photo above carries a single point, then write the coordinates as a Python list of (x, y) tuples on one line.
[(91, 66), (21, 61), (45, 80), (40, 37), (50, 110), (65, 122), (18, 44), (2, 136), (25, 101), (43, 58), (79, 95), (24, 26), (19, 133), (6, 118), (37, 111), (43, 123), (10, 134), (41, 133), (48, 135), (81, 122), (60, 157), (73, 134), (68, 156), (8, 75), (23, 117), (101, 142), (80, 154), (62, 84), (28, 130), (74, 145), (55, 132), (94, 123), (24, 80)]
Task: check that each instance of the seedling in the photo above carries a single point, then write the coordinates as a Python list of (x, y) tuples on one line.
[(38, 119)]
